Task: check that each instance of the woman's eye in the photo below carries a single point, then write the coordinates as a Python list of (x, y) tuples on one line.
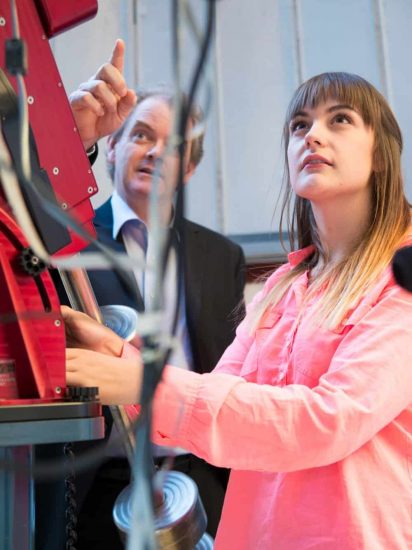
[(298, 125), (341, 118)]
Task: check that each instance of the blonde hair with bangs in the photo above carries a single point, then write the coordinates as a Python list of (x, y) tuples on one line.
[(346, 282)]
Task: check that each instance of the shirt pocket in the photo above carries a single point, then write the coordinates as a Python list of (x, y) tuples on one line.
[(352, 318), (263, 364), (315, 348)]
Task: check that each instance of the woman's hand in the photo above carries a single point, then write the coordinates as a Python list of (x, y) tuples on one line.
[(83, 332), (119, 380)]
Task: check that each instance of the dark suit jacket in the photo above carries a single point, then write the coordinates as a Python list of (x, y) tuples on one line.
[(214, 277)]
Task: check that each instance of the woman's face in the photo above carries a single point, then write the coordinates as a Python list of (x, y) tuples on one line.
[(330, 153)]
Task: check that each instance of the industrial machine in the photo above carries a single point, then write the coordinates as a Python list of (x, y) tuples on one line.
[(46, 182), (35, 406)]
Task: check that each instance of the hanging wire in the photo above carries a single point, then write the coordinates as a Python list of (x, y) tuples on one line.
[(141, 535), (48, 469)]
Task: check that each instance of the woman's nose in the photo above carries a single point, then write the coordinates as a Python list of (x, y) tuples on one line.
[(315, 136)]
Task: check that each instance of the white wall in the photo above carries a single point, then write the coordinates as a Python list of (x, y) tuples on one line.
[(263, 49)]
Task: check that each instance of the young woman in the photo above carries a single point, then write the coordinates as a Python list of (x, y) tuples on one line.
[(311, 404)]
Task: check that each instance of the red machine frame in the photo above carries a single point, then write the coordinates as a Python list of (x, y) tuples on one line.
[(32, 343)]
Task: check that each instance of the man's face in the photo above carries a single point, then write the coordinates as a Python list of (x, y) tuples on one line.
[(142, 143)]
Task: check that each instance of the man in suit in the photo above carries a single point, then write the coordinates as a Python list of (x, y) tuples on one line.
[(213, 275)]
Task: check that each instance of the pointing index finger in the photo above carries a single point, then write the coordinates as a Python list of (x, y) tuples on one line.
[(117, 57)]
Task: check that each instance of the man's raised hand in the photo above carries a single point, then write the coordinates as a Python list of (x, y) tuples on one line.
[(101, 104)]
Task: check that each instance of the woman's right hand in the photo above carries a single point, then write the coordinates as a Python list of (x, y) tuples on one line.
[(84, 332), (118, 379)]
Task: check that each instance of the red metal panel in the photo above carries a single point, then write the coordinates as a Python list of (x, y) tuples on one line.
[(60, 149), (60, 15), (32, 340)]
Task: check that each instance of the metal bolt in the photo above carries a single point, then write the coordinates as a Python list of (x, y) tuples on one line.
[(57, 322), (34, 260), (89, 171), (59, 84), (75, 129), (58, 389), (2, 22), (90, 189), (43, 37), (30, 100), (64, 205), (55, 170)]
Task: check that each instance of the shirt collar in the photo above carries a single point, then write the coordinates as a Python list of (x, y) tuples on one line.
[(297, 257), (122, 213)]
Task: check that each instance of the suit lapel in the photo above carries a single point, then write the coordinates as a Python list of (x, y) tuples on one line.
[(195, 256)]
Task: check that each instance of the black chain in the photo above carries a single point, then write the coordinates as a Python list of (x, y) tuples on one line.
[(70, 497)]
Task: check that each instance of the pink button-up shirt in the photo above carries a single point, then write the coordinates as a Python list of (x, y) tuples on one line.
[(316, 424)]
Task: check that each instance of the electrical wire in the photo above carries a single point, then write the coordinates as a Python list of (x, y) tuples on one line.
[(141, 536), (48, 469), (107, 258), (179, 213), (13, 193), (22, 99)]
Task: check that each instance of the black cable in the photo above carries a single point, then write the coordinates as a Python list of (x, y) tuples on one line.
[(58, 467), (46, 199), (182, 130), (16, 64), (153, 369), (70, 497), (184, 120), (44, 194), (187, 104), (66, 220)]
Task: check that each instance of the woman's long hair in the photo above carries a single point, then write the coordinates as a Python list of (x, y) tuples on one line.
[(347, 281)]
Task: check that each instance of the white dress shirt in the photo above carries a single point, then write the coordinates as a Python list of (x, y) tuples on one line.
[(139, 246)]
